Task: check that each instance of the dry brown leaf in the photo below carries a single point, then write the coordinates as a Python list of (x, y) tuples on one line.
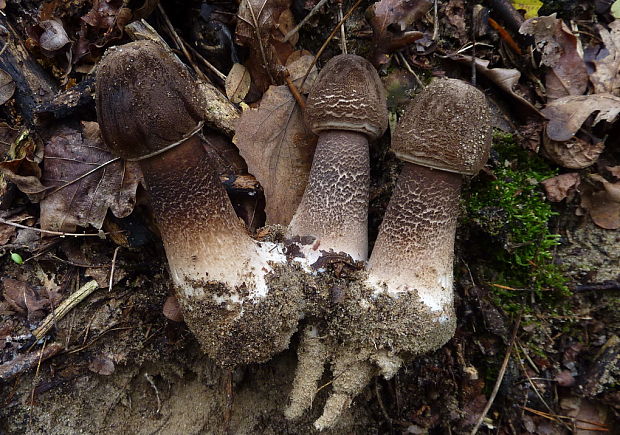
[(574, 153), (258, 29), (7, 87), (26, 300), (566, 114), (603, 204), (71, 154), (506, 79), (557, 188), (389, 19), (559, 49), (606, 78), (278, 149), (237, 83), (26, 175), (103, 13), (8, 231), (54, 36)]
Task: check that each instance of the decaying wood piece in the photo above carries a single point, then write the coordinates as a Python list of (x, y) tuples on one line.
[(34, 85)]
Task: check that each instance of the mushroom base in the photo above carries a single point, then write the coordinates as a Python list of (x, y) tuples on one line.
[(244, 332)]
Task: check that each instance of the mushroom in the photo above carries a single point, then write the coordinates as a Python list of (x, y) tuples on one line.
[(444, 134), (149, 111), (403, 307), (346, 108)]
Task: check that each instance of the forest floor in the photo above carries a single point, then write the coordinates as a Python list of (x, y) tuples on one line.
[(537, 269)]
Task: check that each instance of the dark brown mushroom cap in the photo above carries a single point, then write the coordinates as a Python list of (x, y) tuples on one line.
[(146, 99), (447, 126), (348, 95)]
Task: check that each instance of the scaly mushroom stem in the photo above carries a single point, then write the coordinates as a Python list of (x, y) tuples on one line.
[(414, 250), (334, 207), (200, 245)]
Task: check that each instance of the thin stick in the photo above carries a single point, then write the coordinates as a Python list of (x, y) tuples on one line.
[(64, 308), (298, 97), (408, 68), (343, 36), (84, 175), (435, 22), (260, 42), (314, 10), (329, 38), (179, 42), (111, 282), (53, 233), (208, 64), (500, 377)]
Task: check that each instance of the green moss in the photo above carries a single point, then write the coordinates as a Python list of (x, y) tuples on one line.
[(512, 213)]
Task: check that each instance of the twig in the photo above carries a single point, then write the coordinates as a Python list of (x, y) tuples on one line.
[(66, 306), (53, 233), (552, 416), (85, 174), (343, 36), (381, 404), (295, 29), (402, 58), (329, 38), (208, 64), (435, 22), (298, 97), (179, 42), (150, 379), (25, 362), (500, 377), (111, 282)]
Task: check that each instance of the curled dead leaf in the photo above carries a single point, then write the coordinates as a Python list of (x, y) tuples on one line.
[(557, 188), (237, 83), (54, 36), (26, 175), (505, 78), (278, 149), (575, 153), (568, 113), (28, 300), (389, 20)]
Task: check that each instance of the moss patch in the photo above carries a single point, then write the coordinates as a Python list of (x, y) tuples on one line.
[(513, 216)]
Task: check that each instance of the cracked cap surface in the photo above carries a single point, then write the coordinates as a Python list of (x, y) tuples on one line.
[(348, 95), (447, 126)]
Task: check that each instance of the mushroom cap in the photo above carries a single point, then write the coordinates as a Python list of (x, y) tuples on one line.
[(146, 99), (447, 126), (348, 95)]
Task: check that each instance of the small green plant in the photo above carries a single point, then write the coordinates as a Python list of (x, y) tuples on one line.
[(512, 211)]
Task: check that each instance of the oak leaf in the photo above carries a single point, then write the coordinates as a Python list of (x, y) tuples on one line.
[(84, 180), (278, 148)]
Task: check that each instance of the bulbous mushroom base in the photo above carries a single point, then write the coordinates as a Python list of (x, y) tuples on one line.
[(242, 329), (362, 334)]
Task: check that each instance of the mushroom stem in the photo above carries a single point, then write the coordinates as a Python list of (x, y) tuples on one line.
[(181, 194), (334, 207), (414, 250)]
